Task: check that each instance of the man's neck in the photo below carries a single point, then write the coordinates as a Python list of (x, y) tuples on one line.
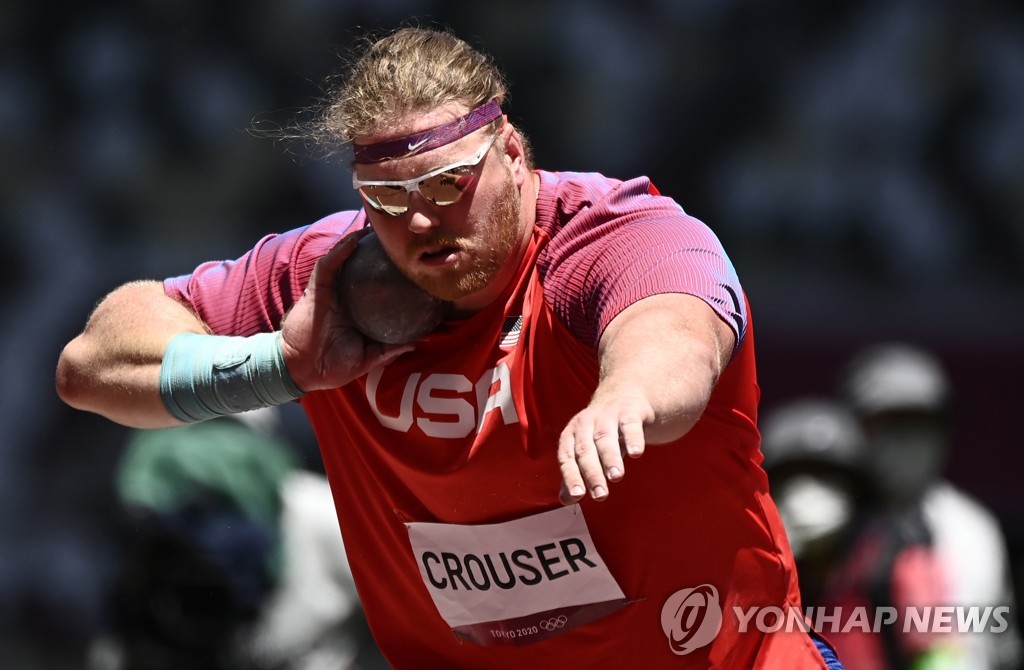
[(510, 270)]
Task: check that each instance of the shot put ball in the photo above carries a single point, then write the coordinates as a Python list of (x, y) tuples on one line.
[(384, 304)]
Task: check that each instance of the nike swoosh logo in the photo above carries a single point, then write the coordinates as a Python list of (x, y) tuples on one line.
[(413, 146)]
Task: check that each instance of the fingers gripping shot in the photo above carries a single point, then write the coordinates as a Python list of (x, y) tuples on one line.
[(494, 517)]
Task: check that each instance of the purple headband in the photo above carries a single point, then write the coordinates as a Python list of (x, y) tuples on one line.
[(425, 140)]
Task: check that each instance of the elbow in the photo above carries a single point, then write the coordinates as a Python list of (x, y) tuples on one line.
[(673, 426), (682, 408), (71, 379)]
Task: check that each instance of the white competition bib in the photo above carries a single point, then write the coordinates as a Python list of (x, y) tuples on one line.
[(516, 582)]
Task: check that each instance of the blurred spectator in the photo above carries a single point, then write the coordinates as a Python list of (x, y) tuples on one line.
[(851, 556), (231, 558), (903, 396), (814, 454)]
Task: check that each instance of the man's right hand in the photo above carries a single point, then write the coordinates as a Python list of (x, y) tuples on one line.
[(321, 346)]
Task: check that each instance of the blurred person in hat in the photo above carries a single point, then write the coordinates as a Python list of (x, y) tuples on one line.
[(854, 557), (904, 398), (814, 454)]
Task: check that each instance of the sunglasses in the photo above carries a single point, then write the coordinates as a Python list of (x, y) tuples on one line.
[(442, 186)]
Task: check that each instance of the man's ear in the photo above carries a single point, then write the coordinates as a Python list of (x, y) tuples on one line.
[(515, 153)]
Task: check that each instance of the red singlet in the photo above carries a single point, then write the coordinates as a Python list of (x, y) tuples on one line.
[(464, 431)]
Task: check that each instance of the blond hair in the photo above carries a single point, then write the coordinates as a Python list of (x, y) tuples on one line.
[(412, 70)]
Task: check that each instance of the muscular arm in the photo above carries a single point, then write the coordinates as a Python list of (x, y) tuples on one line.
[(113, 367), (660, 360)]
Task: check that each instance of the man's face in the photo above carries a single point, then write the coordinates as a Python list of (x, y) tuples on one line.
[(908, 451), (456, 251), (817, 506)]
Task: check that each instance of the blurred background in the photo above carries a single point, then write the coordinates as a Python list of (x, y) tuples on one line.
[(862, 162)]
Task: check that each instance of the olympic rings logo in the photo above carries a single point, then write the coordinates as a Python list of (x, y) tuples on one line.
[(554, 623)]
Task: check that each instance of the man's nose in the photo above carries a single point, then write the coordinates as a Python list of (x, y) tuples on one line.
[(422, 216)]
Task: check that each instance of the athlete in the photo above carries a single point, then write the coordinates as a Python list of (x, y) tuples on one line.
[(566, 471)]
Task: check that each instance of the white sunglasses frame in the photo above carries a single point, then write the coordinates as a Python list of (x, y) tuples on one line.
[(413, 185)]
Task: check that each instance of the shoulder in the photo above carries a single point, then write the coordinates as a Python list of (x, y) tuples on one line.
[(612, 243), (316, 238), (565, 196), (576, 209), (946, 506), (253, 292), (566, 193)]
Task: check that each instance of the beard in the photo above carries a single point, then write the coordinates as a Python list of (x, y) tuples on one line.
[(489, 248)]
